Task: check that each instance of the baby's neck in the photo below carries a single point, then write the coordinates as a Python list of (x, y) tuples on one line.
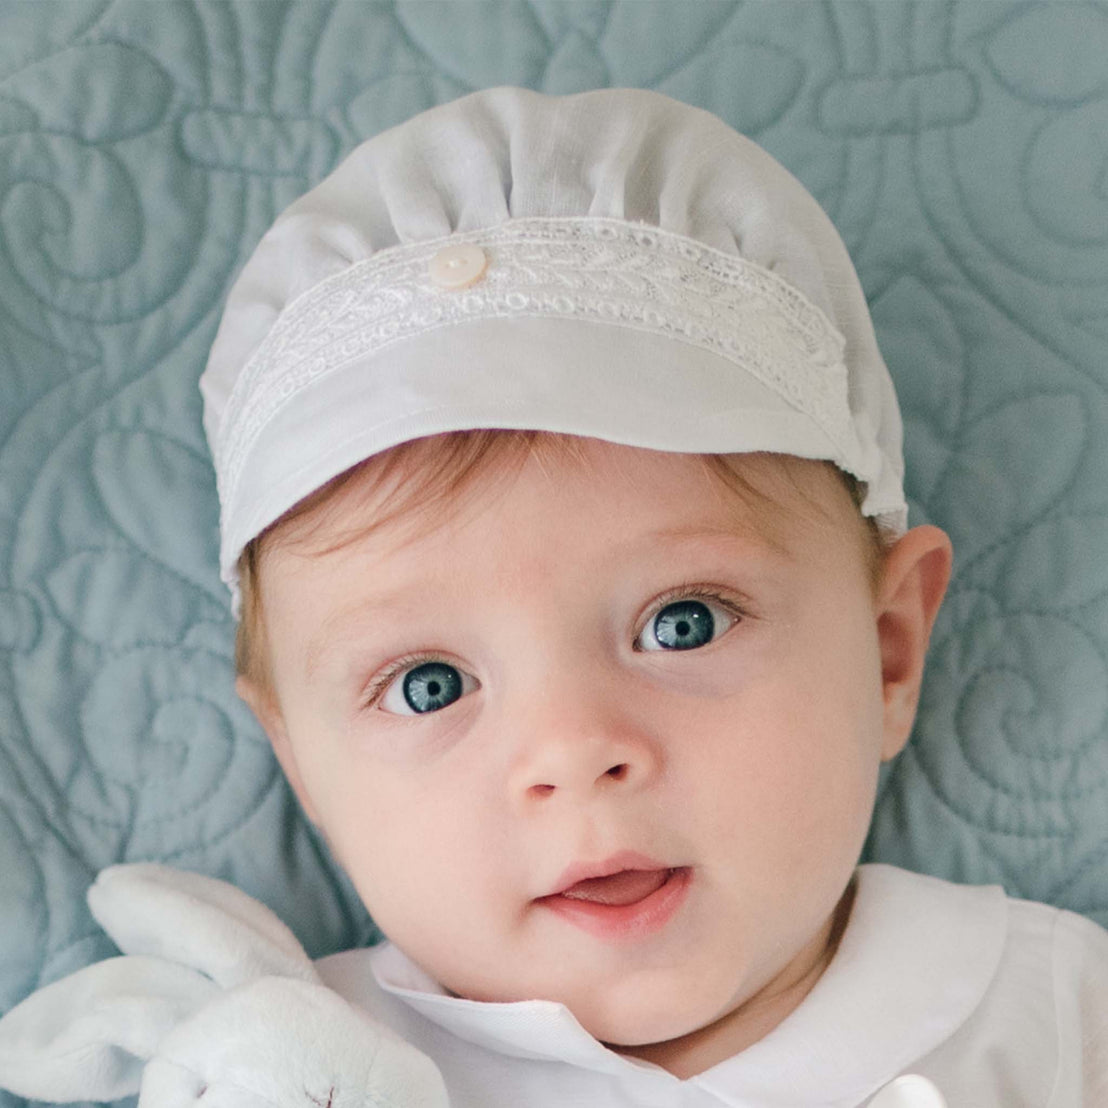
[(757, 1017)]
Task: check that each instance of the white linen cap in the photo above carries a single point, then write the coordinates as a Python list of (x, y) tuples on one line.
[(613, 263)]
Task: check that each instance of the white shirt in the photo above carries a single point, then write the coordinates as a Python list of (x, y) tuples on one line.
[(1002, 1003)]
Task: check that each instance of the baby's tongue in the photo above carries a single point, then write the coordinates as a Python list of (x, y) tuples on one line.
[(621, 888)]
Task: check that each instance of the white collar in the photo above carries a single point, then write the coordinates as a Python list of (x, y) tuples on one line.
[(915, 960)]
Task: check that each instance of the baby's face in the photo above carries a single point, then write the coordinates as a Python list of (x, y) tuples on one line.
[(586, 660)]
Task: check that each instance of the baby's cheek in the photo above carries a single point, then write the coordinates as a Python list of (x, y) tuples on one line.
[(389, 850)]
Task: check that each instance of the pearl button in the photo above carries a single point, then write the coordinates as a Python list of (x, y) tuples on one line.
[(909, 1091), (458, 267)]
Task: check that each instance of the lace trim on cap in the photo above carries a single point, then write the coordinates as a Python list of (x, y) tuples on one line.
[(598, 269)]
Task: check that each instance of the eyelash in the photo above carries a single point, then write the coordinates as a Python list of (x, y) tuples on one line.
[(377, 687), (693, 592)]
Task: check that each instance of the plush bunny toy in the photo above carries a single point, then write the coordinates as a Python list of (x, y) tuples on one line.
[(214, 1002)]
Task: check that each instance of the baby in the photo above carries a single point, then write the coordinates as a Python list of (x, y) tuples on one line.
[(561, 488)]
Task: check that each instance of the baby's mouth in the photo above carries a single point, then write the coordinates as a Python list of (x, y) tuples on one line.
[(627, 887), (628, 905)]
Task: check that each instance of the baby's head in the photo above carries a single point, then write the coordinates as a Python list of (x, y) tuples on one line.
[(569, 531)]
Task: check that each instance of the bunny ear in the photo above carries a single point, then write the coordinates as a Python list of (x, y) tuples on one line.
[(197, 921), (89, 1035)]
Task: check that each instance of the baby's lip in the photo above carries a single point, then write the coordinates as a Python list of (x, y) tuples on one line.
[(617, 863)]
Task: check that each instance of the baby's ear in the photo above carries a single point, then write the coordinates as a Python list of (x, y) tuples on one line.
[(914, 577), (263, 703)]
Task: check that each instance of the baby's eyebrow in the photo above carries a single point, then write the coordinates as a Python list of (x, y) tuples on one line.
[(747, 543), (337, 626), (751, 540)]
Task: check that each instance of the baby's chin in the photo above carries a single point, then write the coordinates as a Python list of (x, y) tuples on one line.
[(686, 1020), (628, 1019), (618, 1017), (649, 1025), (691, 1042)]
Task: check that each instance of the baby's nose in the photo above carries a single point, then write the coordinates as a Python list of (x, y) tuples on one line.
[(576, 746), (618, 772)]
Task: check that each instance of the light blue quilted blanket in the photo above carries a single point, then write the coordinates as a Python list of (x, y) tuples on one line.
[(962, 150)]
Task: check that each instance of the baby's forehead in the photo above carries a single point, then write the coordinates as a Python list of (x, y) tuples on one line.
[(408, 495)]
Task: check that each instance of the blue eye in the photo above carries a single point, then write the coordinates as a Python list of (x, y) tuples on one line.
[(427, 687), (685, 625)]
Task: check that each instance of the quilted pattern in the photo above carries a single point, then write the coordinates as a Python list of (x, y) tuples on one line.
[(961, 148)]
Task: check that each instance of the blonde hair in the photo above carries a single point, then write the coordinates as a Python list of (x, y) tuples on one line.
[(435, 472)]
